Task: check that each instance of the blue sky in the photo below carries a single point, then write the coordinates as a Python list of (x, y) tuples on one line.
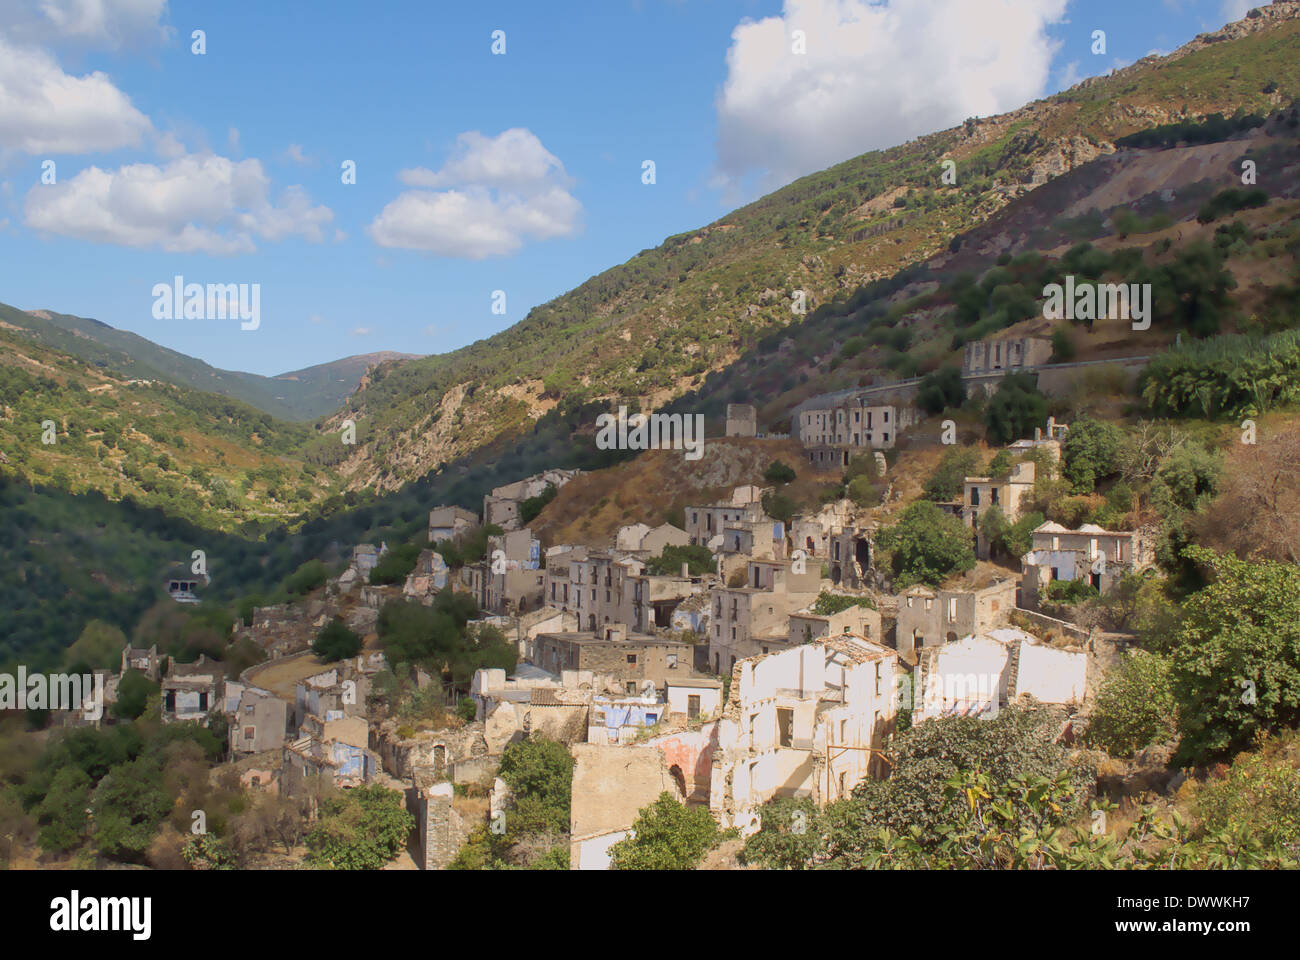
[(475, 172)]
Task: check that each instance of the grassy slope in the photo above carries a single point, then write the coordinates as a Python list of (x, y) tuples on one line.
[(202, 456), (301, 395)]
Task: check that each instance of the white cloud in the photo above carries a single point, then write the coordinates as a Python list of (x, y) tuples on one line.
[(360, 331), (293, 153), (874, 75), (44, 110), (199, 203), (500, 192), (112, 24)]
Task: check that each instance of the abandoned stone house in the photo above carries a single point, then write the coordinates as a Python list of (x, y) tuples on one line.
[(191, 690), (646, 541), (849, 556), (927, 617), (754, 619), (334, 749), (633, 660), (1091, 552), (694, 698), (810, 721), (501, 506), (611, 784), (455, 754), (742, 420), (364, 558), (441, 830), (706, 524), (621, 718), (282, 630), (427, 578), (449, 522), (839, 427), (146, 661), (1005, 355), (339, 691), (981, 673), (807, 626), (982, 494), (258, 720)]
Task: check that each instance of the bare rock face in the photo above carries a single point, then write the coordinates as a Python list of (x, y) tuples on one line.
[(1066, 154)]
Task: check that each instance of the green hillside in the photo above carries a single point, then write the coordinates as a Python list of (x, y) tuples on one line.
[(300, 395)]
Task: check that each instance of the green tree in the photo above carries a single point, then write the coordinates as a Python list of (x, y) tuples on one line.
[(927, 545), (129, 804), (1090, 452), (361, 829), (778, 506), (336, 642), (62, 812), (306, 578), (941, 390), (1134, 707), (1236, 656), (947, 481), (532, 506), (1015, 409), (697, 558), (133, 693), (778, 472), (666, 836), (789, 835), (99, 646), (539, 772)]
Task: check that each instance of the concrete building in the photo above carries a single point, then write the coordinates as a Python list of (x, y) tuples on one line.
[(705, 523), (648, 541), (849, 557), (335, 749), (807, 626), (147, 661), (806, 722), (694, 697)]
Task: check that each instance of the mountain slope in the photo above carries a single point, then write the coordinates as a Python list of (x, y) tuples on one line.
[(301, 395), (71, 424), (655, 327)]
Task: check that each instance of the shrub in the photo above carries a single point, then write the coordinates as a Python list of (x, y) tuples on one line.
[(778, 472), (666, 836), (927, 545), (1134, 706), (336, 642)]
